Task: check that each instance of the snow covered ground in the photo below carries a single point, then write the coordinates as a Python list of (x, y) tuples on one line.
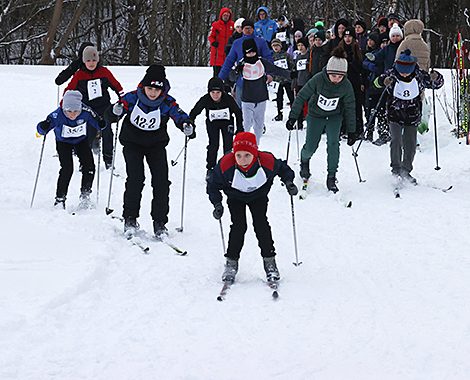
[(382, 292)]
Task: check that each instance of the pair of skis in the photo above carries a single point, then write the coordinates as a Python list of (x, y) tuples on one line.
[(273, 285), (399, 186), (303, 194), (134, 239)]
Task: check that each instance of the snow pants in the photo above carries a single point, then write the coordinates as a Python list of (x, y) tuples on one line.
[(315, 127), (85, 157), (258, 209), (253, 116), (157, 161), (280, 95), (402, 147), (213, 131)]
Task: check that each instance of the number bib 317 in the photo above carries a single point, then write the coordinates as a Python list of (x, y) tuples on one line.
[(145, 121)]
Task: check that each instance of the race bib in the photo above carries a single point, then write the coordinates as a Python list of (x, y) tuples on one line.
[(273, 86), (253, 72), (282, 36), (406, 91), (74, 132), (248, 184), (282, 63), (296, 53), (94, 89), (327, 104), (223, 114), (301, 64), (145, 121)]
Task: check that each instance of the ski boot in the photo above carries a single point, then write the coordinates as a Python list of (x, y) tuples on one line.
[(305, 170), (230, 271), (270, 267), (279, 116), (84, 200), (408, 177), (59, 203), (160, 230), (130, 226), (331, 183)]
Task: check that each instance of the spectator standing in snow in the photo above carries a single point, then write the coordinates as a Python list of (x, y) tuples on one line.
[(237, 33), (221, 31), (282, 33), (265, 27), (412, 31)]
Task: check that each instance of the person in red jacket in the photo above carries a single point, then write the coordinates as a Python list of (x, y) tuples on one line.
[(221, 31)]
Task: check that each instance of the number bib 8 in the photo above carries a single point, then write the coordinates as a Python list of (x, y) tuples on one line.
[(145, 121), (406, 91), (74, 132), (301, 64)]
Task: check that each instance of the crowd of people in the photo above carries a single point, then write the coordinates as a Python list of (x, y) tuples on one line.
[(332, 78)]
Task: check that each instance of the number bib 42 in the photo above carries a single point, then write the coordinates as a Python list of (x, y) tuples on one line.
[(74, 132), (145, 121), (327, 104)]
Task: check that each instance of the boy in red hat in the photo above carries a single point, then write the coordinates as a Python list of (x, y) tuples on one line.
[(246, 176)]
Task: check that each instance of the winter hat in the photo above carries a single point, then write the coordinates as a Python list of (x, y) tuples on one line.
[(320, 34), (383, 21), (239, 22), (311, 31), (383, 37), (362, 24), (249, 45), (248, 23), (245, 141), (303, 41), (72, 101), (155, 77), (393, 16), (405, 63), (319, 24), (395, 30), (90, 54), (276, 41), (298, 33), (350, 31), (215, 84), (337, 65), (374, 37), (282, 18)]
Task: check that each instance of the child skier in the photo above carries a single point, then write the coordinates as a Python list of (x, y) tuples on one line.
[(144, 135), (246, 176), (284, 61), (220, 108), (405, 82), (301, 74), (93, 82), (330, 98), (70, 122)]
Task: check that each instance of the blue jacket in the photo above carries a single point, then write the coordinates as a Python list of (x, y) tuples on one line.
[(60, 122), (386, 55), (236, 54), (265, 28)]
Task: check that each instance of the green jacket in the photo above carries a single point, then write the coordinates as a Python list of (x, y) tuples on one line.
[(326, 99)]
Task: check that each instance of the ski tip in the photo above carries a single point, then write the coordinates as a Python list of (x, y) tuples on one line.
[(220, 298), (349, 204), (397, 196), (275, 294)]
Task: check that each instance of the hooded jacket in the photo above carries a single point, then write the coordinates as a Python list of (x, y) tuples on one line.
[(413, 41), (220, 33), (265, 28)]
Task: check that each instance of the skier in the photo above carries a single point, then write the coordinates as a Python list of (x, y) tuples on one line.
[(284, 61), (93, 81), (405, 81), (221, 31), (71, 69), (246, 176), (330, 98), (301, 74), (70, 122), (220, 108), (144, 135)]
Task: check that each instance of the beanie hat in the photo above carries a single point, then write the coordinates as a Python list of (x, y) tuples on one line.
[(239, 22), (248, 23), (298, 33), (337, 65), (276, 41), (393, 16), (311, 31), (382, 21), (374, 37), (319, 23), (362, 24), (303, 41), (383, 37), (72, 101), (320, 34), (215, 84), (349, 31), (249, 45), (395, 30), (155, 77), (90, 54), (405, 63), (245, 141)]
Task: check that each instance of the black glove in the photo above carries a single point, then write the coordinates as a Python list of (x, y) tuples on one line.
[(290, 124), (239, 68), (293, 74), (231, 129), (351, 138), (189, 129), (291, 188), (218, 211), (215, 44), (46, 124), (102, 124), (388, 81)]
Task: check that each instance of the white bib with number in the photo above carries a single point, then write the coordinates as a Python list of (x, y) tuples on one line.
[(145, 121), (253, 72), (282, 63), (302, 64), (74, 132), (248, 184), (273, 86), (94, 89), (327, 104), (223, 114), (282, 36), (406, 91)]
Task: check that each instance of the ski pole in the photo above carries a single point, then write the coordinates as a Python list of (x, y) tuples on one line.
[(298, 145), (296, 263), (39, 168), (186, 138), (108, 210), (435, 126), (98, 172), (288, 146), (222, 234), (175, 161)]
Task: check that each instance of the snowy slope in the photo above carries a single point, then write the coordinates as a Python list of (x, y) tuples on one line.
[(382, 292)]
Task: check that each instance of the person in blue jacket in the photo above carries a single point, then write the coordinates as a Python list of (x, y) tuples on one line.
[(236, 54), (265, 27), (70, 122)]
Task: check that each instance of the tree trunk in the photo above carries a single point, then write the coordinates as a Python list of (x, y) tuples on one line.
[(47, 59)]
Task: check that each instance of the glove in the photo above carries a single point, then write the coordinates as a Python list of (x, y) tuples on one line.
[(231, 129), (291, 188), (215, 44), (188, 129), (218, 211), (102, 124), (293, 74), (371, 66), (46, 124), (370, 57), (290, 124), (388, 81), (118, 109), (351, 138), (239, 68), (433, 75)]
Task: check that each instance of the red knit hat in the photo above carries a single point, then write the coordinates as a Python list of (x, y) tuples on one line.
[(245, 141)]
